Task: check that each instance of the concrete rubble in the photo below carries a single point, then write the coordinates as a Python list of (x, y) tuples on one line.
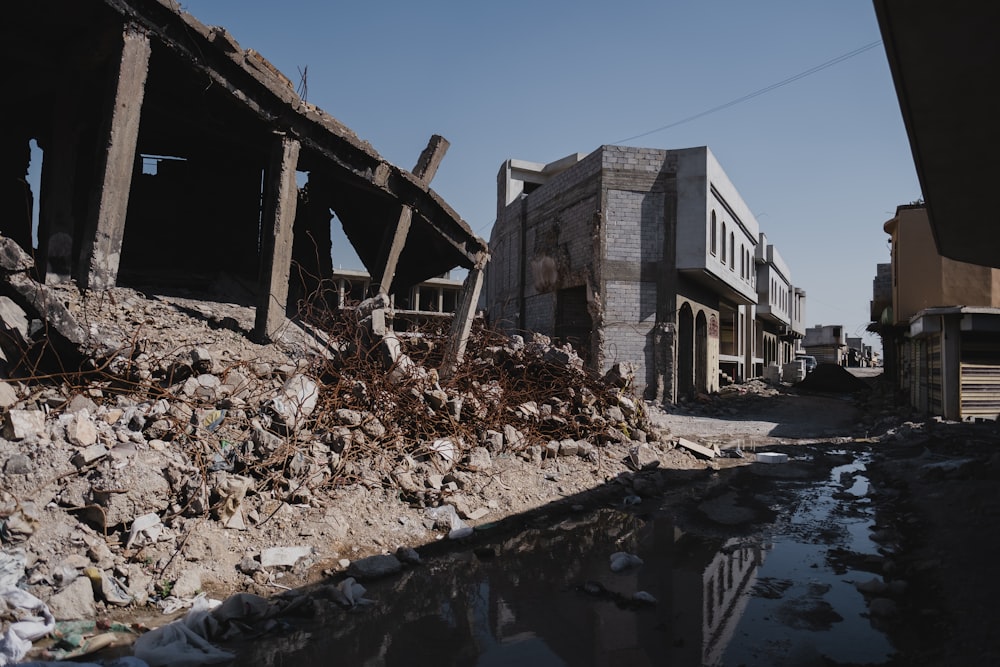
[(177, 455)]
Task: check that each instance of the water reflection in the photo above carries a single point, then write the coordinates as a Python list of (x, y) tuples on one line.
[(769, 598)]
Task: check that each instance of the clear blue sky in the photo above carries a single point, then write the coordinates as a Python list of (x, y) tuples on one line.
[(822, 161)]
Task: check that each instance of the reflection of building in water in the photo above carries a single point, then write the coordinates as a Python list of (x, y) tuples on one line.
[(528, 608), (725, 587), (702, 587)]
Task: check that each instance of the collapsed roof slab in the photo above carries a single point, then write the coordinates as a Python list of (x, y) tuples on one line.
[(206, 96)]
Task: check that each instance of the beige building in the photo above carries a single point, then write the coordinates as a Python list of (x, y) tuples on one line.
[(941, 334), (922, 278)]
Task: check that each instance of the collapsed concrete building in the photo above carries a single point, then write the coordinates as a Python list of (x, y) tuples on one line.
[(642, 255), (171, 156)]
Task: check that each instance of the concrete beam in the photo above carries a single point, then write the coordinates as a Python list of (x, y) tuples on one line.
[(461, 326), (102, 242), (278, 220), (393, 243), (430, 158)]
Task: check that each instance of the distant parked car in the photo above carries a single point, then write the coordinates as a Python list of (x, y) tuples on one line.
[(810, 362)]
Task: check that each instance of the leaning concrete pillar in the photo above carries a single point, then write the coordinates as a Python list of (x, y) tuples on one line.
[(280, 199), (395, 239), (461, 326), (102, 242)]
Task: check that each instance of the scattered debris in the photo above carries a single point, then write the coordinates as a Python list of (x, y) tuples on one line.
[(700, 450), (832, 378)]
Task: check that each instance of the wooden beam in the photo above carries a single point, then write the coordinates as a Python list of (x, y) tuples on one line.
[(280, 199), (395, 238), (102, 242)]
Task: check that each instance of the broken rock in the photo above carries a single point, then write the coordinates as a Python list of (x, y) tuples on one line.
[(81, 430), (74, 602), (8, 395), (284, 556), (296, 401), (24, 424), (479, 459), (375, 567), (642, 457)]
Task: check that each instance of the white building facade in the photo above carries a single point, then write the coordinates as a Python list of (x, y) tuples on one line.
[(634, 254)]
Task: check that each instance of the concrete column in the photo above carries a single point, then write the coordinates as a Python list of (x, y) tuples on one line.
[(416, 298), (951, 367), (748, 338), (102, 242), (391, 252), (461, 326), (280, 199)]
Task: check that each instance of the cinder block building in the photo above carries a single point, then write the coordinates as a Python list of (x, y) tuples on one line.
[(827, 343), (631, 254)]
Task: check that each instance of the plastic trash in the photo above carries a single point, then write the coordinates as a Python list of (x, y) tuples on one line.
[(35, 622), (183, 642)]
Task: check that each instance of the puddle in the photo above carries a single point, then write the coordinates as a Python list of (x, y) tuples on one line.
[(547, 596), (818, 614)]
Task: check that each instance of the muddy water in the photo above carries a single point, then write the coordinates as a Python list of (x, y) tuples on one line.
[(779, 592)]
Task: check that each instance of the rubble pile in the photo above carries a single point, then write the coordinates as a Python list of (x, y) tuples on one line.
[(385, 417), (173, 447), (833, 378)]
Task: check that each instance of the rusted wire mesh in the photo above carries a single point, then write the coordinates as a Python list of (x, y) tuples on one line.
[(379, 404)]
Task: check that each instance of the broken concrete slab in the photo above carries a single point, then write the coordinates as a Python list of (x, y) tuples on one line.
[(13, 258), (75, 602), (284, 556), (8, 395), (24, 424), (700, 450), (642, 457), (14, 320)]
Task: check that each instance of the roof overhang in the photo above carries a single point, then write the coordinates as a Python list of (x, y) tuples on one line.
[(943, 58)]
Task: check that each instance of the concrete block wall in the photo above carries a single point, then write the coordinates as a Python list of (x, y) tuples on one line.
[(558, 221), (540, 311), (634, 226), (627, 158), (629, 318), (633, 242), (501, 291)]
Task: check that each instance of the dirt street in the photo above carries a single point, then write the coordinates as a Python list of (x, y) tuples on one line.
[(934, 487)]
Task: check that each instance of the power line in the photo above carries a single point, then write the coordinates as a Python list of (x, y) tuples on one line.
[(774, 86)]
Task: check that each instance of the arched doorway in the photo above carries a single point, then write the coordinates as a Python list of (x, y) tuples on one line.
[(685, 351), (701, 352)]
